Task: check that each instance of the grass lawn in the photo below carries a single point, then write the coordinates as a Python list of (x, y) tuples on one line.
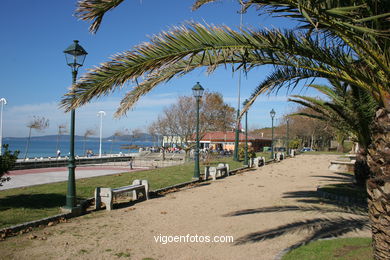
[(35, 202), (266, 155), (335, 249), (324, 152)]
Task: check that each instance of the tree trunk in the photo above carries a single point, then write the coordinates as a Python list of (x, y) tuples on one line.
[(28, 143), (378, 187), (340, 144), (361, 170)]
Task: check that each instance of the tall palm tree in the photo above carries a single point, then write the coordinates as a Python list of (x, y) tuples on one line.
[(348, 109), (345, 40)]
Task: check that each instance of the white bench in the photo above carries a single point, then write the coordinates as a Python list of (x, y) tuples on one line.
[(106, 195), (342, 166), (221, 170), (279, 156), (259, 161)]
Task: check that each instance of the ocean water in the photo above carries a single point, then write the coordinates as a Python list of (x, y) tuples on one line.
[(48, 148)]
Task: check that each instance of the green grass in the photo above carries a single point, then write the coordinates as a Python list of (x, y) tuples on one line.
[(335, 249), (266, 155), (324, 152), (35, 202)]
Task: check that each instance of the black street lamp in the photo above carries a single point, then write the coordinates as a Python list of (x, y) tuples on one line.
[(246, 134), (287, 137), (236, 138), (75, 56), (197, 91), (272, 113)]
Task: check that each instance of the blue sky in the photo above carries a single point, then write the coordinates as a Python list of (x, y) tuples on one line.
[(34, 75)]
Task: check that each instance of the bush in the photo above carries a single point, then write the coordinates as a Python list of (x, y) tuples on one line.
[(294, 144), (7, 160), (241, 152)]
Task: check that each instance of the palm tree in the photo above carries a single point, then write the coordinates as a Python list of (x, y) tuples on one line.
[(37, 123), (117, 133), (350, 110), (61, 130), (344, 40), (88, 132)]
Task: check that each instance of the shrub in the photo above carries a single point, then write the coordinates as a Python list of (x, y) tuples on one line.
[(7, 160), (241, 152)]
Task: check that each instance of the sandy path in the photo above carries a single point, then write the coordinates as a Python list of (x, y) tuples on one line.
[(206, 210)]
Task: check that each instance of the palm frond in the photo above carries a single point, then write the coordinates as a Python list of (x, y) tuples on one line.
[(198, 3), (94, 10), (197, 45)]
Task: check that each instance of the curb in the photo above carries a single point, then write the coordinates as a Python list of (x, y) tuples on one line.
[(27, 226)]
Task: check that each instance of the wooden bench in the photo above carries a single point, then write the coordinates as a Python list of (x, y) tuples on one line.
[(106, 195), (221, 170)]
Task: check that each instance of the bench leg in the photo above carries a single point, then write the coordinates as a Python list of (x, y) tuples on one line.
[(106, 197), (135, 192), (146, 185), (206, 172), (98, 200)]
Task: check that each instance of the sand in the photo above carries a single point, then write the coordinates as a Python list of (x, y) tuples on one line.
[(226, 207)]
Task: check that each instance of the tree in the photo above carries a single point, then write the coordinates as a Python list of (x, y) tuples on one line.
[(117, 133), (351, 111), (311, 132), (62, 129), (179, 119), (88, 132), (154, 133), (327, 44), (37, 123), (7, 160)]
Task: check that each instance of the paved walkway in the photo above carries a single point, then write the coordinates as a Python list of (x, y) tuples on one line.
[(30, 177)]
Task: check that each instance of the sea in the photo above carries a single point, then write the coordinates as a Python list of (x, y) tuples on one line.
[(48, 148)]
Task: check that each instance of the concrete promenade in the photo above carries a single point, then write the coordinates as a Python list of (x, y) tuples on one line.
[(30, 177)]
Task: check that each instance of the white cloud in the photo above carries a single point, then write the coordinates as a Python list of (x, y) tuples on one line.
[(145, 112)]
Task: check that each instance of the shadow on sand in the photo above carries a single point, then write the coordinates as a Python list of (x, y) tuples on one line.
[(319, 227)]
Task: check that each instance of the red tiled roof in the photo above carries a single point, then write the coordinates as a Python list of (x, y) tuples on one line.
[(220, 136)]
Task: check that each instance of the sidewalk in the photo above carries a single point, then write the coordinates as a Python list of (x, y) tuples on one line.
[(30, 177)]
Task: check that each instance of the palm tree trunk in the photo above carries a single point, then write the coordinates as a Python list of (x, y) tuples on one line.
[(85, 151), (58, 141), (361, 170), (28, 143), (378, 187), (112, 143)]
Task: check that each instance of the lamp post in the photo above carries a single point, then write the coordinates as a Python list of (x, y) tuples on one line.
[(197, 91), (101, 114), (75, 56), (287, 137), (272, 113), (237, 130), (3, 102), (246, 134)]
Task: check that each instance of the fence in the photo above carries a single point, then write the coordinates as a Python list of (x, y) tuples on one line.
[(147, 161)]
